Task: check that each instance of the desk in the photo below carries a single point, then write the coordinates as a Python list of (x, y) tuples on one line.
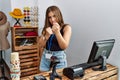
[(110, 74)]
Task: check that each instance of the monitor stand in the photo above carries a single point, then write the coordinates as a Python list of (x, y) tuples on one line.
[(102, 60)]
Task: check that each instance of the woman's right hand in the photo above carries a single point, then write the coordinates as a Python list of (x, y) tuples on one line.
[(49, 31)]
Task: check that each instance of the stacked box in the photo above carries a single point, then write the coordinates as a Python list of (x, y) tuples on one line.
[(15, 66)]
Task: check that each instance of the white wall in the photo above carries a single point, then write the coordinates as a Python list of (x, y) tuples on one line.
[(5, 8), (23, 3), (91, 20)]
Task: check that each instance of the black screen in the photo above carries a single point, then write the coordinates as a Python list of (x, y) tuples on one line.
[(100, 48)]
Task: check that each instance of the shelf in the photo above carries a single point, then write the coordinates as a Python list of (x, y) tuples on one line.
[(27, 46), (25, 37), (27, 27), (17, 48)]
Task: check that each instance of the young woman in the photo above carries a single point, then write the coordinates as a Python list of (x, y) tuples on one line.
[(55, 38)]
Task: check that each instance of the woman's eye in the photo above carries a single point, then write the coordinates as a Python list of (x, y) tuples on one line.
[(49, 17), (54, 16)]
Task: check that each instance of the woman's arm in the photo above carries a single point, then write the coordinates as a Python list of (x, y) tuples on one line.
[(42, 41), (64, 40), (44, 37)]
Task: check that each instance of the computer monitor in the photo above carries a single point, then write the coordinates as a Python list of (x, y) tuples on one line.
[(101, 48)]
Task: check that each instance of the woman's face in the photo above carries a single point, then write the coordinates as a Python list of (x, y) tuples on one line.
[(52, 18)]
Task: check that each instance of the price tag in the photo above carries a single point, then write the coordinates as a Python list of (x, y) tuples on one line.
[(48, 55)]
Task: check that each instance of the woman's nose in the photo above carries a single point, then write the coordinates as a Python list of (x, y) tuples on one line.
[(53, 19)]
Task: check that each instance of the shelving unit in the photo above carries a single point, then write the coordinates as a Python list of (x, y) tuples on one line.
[(27, 46)]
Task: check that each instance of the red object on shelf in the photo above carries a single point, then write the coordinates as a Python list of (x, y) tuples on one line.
[(31, 33)]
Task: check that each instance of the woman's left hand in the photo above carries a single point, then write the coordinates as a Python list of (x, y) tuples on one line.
[(55, 28)]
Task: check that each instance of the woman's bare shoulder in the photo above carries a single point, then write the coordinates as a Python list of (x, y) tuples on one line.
[(67, 27)]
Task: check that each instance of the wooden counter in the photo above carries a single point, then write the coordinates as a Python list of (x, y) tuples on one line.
[(110, 74)]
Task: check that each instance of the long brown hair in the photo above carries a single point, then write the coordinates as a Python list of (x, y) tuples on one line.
[(58, 15)]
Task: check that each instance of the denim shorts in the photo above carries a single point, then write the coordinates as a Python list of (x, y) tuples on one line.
[(45, 63)]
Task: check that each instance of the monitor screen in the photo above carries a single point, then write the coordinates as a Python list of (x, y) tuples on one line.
[(100, 48)]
